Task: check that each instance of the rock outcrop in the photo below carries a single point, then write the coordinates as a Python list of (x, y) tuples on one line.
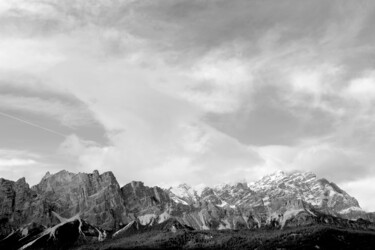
[(97, 198), (144, 203), (15, 204)]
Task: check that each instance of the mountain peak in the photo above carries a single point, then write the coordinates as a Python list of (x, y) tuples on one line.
[(184, 186), (21, 180), (294, 174), (48, 174), (200, 188)]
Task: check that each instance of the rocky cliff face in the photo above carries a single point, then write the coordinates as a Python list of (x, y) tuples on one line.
[(97, 198), (15, 203), (144, 203), (278, 200)]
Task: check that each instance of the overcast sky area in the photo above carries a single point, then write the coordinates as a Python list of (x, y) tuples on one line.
[(195, 91)]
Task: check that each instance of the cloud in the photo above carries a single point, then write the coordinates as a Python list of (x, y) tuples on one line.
[(315, 80), (213, 88), (189, 157), (28, 55), (362, 89), (363, 190), (332, 161), (16, 162), (9, 153), (75, 146), (69, 114)]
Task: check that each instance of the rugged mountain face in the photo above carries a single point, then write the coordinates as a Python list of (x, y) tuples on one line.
[(321, 193), (279, 200), (273, 199), (15, 204), (144, 203), (97, 198)]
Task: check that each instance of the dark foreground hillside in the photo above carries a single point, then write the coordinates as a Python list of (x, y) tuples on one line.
[(317, 237)]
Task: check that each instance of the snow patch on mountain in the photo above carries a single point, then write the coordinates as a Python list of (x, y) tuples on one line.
[(184, 192), (178, 200), (290, 214), (146, 218), (199, 189), (163, 217)]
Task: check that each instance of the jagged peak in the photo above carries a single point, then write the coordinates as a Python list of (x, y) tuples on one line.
[(281, 174), (324, 181), (243, 184), (47, 175), (181, 189), (68, 173), (60, 174), (21, 180), (110, 175), (184, 186), (67, 176), (63, 172), (136, 184), (200, 188), (6, 180), (106, 173), (230, 184)]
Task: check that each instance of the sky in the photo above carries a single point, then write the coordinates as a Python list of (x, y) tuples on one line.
[(193, 91)]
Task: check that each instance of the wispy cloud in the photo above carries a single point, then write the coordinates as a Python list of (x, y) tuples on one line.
[(68, 114), (15, 164)]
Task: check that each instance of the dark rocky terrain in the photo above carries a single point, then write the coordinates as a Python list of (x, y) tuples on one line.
[(67, 210)]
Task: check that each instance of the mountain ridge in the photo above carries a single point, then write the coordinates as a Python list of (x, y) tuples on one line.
[(278, 200)]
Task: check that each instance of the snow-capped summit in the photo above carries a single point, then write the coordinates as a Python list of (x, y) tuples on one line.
[(183, 193), (304, 186), (200, 188)]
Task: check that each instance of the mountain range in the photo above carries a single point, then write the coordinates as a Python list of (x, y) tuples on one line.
[(95, 206)]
